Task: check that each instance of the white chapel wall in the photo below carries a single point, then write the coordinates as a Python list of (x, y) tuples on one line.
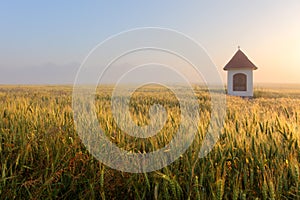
[(249, 74)]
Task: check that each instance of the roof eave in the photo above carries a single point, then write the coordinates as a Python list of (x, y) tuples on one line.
[(233, 68)]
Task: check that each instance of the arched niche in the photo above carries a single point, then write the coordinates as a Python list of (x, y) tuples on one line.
[(239, 82)]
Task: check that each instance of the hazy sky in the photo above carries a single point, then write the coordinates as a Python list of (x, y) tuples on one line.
[(46, 42)]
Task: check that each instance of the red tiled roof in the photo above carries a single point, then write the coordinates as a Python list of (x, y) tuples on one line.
[(239, 61)]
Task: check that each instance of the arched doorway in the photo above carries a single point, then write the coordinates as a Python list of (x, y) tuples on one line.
[(240, 82)]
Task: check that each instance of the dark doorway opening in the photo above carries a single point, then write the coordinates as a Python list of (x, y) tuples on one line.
[(240, 82)]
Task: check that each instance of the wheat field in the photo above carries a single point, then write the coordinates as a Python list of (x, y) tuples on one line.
[(256, 157)]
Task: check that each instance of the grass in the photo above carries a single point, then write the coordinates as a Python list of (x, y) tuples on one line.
[(42, 157)]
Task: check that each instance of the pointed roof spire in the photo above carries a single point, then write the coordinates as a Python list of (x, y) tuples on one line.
[(239, 61)]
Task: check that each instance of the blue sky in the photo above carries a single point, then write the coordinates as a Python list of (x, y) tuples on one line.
[(46, 42)]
